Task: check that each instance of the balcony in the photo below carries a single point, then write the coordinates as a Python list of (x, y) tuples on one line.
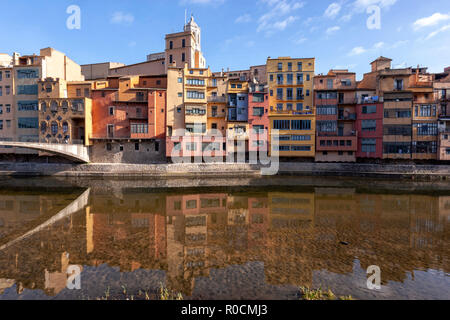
[(217, 99), (347, 117), (370, 100), (351, 100)]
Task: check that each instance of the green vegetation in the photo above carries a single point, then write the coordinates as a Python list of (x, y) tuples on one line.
[(163, 294), (319, 294)]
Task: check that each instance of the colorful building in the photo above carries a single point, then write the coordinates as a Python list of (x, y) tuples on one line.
[(335, 105), (424, 116), (258, 117), (129, 120), (369, 119), (7, 126), (291, 109), (442, 94)]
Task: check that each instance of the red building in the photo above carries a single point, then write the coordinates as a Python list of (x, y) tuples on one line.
[(129, 120), (369, 125), (335, 102), (258, 118)]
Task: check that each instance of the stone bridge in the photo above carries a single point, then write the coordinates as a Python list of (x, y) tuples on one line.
[(73, 152)]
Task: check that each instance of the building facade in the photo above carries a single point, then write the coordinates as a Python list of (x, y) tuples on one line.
[(291, 109), (335, 105)]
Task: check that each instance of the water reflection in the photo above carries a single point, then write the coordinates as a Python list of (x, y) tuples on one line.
[(250, 244)]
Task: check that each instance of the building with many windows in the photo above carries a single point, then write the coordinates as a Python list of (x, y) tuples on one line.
[(291, 108), (335, 105), (7, 127)]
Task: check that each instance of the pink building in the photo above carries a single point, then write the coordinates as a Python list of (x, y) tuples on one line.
[(258, 117)]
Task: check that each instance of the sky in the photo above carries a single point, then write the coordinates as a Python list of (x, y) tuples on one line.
[(238, 33)]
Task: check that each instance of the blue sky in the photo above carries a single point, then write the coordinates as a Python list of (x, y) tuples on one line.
[(237, 33)]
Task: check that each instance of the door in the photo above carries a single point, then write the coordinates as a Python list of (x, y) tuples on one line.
[(110, 131)]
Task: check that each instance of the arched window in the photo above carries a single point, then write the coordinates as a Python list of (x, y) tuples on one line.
[(65, 127), (43, 107), (54, 127), (43, 126), (54, 106), (65, 106)]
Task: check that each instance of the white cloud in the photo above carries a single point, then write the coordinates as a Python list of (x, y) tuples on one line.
[(299, 40), (278, 16), (120, 17), (332, 30), (435, 33), (333, 10), (244, 18), (379, 45), (357, 51), (430, 21)]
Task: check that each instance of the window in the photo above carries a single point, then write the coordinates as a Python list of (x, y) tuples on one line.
[(191, 146), (28, 74), (301, 138), (258, 129), (280, 66), (26, 90), (136, 146), (327, 110), (7, 90), (1, 124), (289, 93), (258, 97), (196, 127), (170, 58), (108, 147), (180, 80), (369, 125), (258, 112), (86, 92), (299, 78), (183, 43), (369, 109), (282, 124), (299, 66), (368, 145), (195, 82), (426, 129), (183, 57), (8, 123), (290, 66), (327, 126), (195, 95), (54, 128), (30, 106), (139, 128), (279, 94), (301, 125), (398, 83), (299, 94), (78, 92), (280, 79), (171, 45), (284, 148), (54, 106), (271, 78), (299, 106), (280, 107), (290, 78), (301, 148), (308, 77), (28, 123), (8, 108), (7, 74), (65, 106), (65, 127), (180, 94), (111, 111), (1, 76)]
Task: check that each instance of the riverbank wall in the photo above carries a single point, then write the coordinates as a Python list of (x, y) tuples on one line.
[(402, 171)]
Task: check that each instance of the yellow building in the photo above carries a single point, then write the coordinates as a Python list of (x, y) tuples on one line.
[(291, 108), (217, 104)]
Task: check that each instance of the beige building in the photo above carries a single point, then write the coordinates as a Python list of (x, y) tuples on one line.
[(6, 101), (27, 72), (185, 47), (99, 71)]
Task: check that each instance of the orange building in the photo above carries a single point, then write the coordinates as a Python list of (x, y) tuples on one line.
[(129, 120)]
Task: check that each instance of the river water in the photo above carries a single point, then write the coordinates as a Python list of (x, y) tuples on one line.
[(218, 239)]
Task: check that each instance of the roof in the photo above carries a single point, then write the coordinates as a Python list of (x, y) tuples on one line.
[(381, 58)]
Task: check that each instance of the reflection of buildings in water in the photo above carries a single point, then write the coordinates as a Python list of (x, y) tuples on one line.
[(293, 234), (5, 284), (120, 227)]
